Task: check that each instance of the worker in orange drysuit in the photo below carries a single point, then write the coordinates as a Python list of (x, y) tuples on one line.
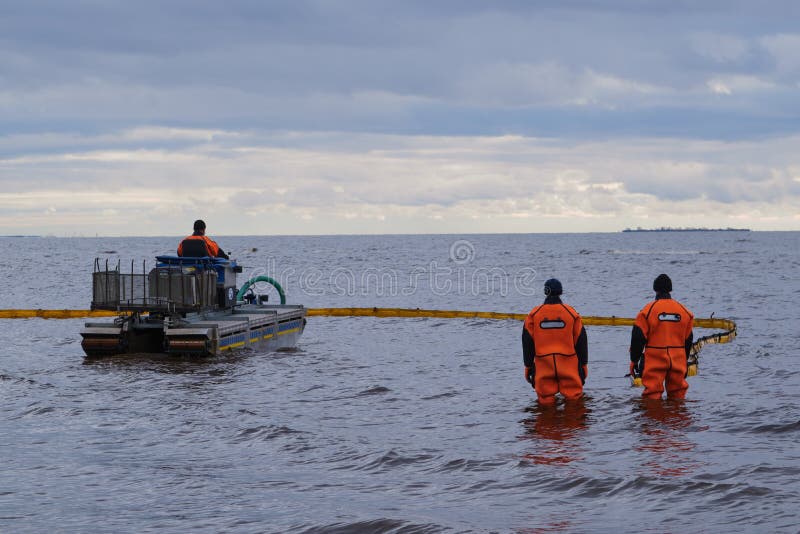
[(661, 342), (554, 347), (198, 245)]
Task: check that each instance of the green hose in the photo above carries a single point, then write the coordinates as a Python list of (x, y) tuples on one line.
[(267, 279)]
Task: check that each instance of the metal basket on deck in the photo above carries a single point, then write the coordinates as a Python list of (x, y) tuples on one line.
[(166, 289)]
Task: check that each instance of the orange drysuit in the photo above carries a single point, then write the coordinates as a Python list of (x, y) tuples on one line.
[(554, 347), (660, 344)]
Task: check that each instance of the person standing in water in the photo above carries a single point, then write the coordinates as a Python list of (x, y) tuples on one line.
[(661, 342), (555, 348)]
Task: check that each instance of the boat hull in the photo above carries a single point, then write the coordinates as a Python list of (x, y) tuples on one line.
[(263, 327)]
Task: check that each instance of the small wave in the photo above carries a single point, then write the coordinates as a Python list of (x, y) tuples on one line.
[(10, 378), (375, 525), (378, 390), (639, 252), (386, 462), (720, 493), (264, 433), (743, 493), (441, 396), (776, 428), (590, 487), (748, 472), (38, 410), (393, 459), (468, 465)]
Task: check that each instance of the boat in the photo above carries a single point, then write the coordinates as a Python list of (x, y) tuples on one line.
[(687, 229), (186, 307)]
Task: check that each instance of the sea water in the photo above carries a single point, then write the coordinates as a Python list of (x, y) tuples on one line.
[(408, 425)]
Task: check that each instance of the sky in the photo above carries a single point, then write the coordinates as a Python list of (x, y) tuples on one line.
[(370, 117)]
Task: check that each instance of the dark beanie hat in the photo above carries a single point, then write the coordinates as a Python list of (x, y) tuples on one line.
[(552, 287), (199, 225), (662, 284)]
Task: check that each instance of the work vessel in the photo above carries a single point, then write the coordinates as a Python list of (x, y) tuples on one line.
[(187, 307)]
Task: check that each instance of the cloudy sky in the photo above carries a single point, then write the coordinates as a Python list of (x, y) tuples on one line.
[(349, 116)]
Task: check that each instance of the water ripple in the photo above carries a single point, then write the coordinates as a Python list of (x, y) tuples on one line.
[(409, 425)]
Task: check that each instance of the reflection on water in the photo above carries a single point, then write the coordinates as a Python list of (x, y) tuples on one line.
[(664, 429), (555, 431)]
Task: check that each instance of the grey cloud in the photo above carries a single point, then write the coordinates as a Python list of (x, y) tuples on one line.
[(721, 48), (727, 184), (442, 66), (357, 108)]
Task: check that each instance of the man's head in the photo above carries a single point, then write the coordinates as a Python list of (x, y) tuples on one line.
[(199, 226), (552, 287), (662, 284)]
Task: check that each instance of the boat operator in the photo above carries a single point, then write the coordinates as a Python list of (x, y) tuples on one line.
[(198, 245), (554, 348), (661, 342)]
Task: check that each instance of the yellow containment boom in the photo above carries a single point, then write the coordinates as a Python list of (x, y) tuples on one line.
[(589, 320), (728, 326), (55, 314)]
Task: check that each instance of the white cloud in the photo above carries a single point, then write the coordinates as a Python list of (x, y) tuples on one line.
[(728, 85), (613, 85), (719, 88), (162, 133), (550, 83), (396, 181)]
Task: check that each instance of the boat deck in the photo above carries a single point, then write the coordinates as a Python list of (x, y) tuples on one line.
[(266, 327)]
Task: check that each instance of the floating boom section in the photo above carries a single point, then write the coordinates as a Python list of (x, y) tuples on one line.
[(728, 326)]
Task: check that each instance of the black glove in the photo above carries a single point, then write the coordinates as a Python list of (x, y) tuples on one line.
[(636, 369)]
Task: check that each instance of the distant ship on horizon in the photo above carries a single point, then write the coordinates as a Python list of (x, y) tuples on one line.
[(673, 229)]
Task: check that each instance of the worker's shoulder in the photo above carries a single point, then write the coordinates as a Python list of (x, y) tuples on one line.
[(572, 311), (534, 311), (680, 305), (647, 308)]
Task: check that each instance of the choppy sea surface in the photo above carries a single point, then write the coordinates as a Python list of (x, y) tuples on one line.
[(408, 425)]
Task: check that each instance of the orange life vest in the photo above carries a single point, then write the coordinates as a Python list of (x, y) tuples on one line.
[(211, 247), (554, 328), (665, 323)]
